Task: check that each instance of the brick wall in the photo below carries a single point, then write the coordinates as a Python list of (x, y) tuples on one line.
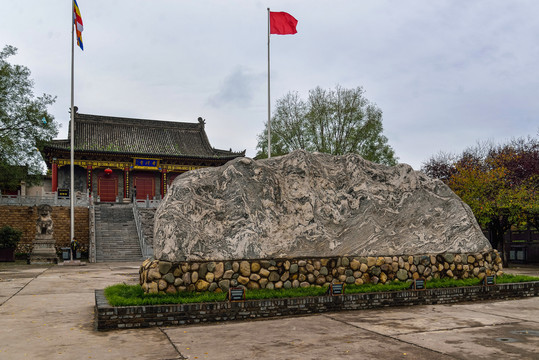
[(24, 218), (109, 317)]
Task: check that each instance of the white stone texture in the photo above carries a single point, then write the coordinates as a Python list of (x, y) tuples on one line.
[(306, 204)]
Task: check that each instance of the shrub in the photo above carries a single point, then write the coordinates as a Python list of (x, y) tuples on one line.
[(9, 237)]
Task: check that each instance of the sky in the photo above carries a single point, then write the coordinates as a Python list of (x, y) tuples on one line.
[(446, 74)]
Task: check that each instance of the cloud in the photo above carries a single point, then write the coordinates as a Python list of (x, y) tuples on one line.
[(445, 73), (237, 89)]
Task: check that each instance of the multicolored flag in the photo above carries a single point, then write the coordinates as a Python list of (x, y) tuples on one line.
[(77, 19), (282, 23)]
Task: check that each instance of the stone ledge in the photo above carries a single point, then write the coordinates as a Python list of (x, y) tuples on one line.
[(108, 317)]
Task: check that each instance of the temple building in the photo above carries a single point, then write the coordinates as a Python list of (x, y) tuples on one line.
[(114, 155)]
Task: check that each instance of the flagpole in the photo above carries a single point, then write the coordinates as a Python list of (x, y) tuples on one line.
[(72, 133), (269, 98)]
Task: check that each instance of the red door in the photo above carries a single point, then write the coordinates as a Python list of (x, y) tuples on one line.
[(171, 177), (107, 188), (145, 186)]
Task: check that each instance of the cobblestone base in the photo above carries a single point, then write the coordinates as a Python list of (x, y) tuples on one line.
[(218, 276)]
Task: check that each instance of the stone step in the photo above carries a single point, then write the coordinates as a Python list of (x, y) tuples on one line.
[(116, 234), (123, 244)]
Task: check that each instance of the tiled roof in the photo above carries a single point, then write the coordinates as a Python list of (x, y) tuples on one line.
[(137, 136)]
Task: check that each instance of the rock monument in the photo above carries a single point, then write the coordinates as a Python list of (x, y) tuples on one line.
[(44, 251), (311, 205)]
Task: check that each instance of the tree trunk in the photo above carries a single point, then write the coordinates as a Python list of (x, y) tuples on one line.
[(497, 230)]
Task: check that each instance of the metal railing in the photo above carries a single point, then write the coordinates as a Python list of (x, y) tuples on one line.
[(147, 250), (50, 198)]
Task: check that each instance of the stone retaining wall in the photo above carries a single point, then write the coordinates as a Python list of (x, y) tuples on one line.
[(24, 218), (109, 317), (218, 276)]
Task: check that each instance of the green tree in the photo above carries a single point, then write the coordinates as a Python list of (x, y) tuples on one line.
[(337, 122), (25, 124)]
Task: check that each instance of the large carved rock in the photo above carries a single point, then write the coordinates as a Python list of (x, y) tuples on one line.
[(306, 204)]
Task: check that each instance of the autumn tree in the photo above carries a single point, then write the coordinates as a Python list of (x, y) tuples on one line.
[(499, 183), (25, 124), (337, 122)]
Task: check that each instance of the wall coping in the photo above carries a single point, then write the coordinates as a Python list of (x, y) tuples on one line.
[(109, 317)]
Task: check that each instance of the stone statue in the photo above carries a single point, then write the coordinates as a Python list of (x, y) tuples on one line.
[(44, 220), (44, 250)]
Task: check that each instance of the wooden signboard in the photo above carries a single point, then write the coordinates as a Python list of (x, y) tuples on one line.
[(63, 193), (145, 164)]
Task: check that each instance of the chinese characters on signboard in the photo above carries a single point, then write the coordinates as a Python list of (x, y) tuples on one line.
[(146, 164), (63, 193)]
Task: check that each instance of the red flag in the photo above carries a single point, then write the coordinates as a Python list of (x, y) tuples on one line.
[(282, 23)]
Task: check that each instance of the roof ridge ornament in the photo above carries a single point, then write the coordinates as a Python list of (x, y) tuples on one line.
[(202, 121)]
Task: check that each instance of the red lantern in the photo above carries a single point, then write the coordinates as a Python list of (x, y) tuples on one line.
[(108, 171)]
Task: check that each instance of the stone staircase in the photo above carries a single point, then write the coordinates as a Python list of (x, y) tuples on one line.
[(116, 235)]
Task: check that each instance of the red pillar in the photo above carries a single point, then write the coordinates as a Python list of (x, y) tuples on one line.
[(54, 177)]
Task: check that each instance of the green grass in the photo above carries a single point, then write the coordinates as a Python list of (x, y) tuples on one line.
[(507, 278), (285, 293), (504, 279), (132, 295), (446, 283), (365, 288)]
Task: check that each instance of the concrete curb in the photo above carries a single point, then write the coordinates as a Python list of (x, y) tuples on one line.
[(109, 317)]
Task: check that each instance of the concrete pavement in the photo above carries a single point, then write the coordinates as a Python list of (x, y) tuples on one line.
[(46, 312)]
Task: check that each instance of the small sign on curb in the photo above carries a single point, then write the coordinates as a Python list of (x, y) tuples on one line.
[(336, 289), (489, 280), (419, 284), (236, 294)]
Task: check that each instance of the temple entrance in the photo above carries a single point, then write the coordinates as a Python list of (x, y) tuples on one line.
[(145, 186), (172, 176), (107, 188)]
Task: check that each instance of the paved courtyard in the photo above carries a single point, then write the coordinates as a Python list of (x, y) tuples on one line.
[(47, 313)]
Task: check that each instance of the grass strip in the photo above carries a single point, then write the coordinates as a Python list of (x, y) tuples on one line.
[(258, 294), (448, 283), (508, 278), (132, 295)]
